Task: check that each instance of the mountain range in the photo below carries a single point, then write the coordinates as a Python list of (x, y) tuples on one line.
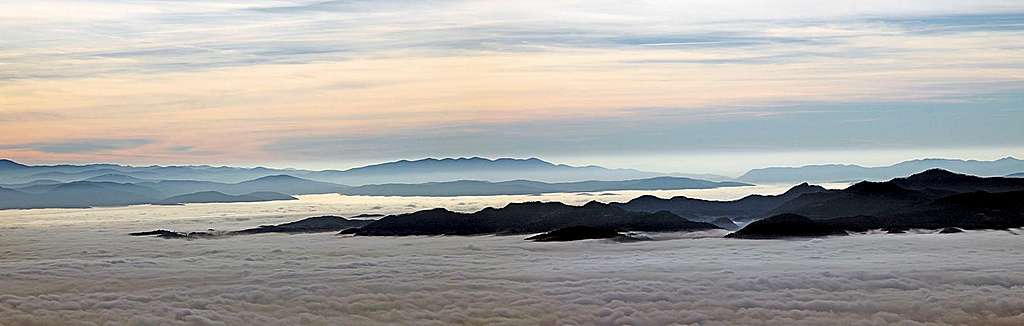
[(34, 186), (933, 199), (404, 171), (91, 193), (847, 172), (483, 169)]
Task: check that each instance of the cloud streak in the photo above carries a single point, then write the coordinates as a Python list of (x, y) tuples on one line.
[(81, 145)]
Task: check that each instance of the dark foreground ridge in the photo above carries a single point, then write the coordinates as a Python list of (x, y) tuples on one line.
[(524, 218), (934, 199), (309, 225), (574, 233), (746, 208)]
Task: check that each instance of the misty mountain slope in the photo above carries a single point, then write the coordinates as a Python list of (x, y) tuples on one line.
[(10, 198), (30, 184), (520, 187), (753, 206), (80, 194), (278, 183), (474, 168), (73, 176), (218, 197), (20, 173), (115, 177), (94, 193), (530, 217), (840, 172), (36, 187), (452, 188), (172, 188), (288, 184)]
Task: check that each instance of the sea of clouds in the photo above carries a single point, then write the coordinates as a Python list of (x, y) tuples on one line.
[(92, 273)]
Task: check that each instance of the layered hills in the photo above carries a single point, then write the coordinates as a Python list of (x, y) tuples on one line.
[(934, 199)]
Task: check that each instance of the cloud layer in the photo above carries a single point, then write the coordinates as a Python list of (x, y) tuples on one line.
[(79, 267)]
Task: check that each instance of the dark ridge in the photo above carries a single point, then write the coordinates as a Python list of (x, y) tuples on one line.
[(932, 190), (966, 211), (309, 225), (746, 208), (879, 189), (783, 226), (168, 234), (574, 233), (942, 180), (529, 217), (367, 215)]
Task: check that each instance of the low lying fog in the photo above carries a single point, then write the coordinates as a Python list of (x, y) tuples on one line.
[(80, 267)]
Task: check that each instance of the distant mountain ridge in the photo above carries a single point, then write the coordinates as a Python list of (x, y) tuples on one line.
[(475, 168), (6, 164), (849, 172), (404, 171), (523, 187), (219, 197), (83, 194), (126, 190)]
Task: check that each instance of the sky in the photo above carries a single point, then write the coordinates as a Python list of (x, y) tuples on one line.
[(675, 86)]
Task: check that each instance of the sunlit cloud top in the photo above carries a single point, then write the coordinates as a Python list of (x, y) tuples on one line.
[(343, 81)]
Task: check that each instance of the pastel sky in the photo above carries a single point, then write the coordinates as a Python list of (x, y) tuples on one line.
[(696, 86)]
